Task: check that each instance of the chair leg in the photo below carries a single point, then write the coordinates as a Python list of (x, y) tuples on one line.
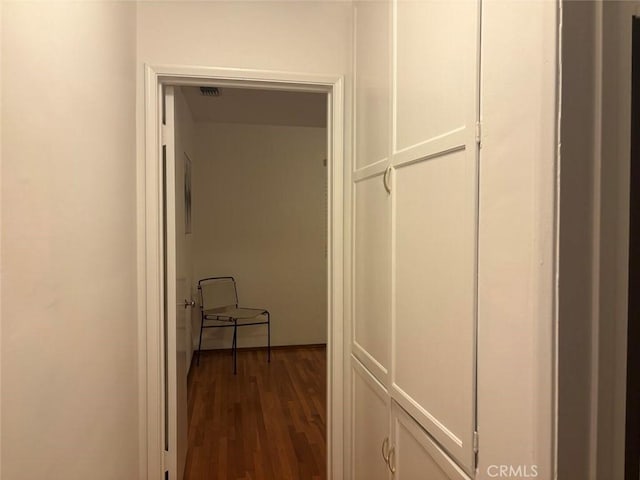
[(268, 337), (200, 341), (235, 347)]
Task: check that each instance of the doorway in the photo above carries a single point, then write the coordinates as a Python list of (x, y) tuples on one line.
[(161, 294), (250, 209)]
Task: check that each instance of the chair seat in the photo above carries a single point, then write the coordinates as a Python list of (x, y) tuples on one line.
[(232, 313)]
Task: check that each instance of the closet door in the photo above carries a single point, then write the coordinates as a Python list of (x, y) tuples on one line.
[(434, 219), (371, 214), (371, 436), (372, 282), (415, 455)]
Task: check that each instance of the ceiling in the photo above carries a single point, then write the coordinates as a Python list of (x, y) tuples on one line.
[(267, 107)]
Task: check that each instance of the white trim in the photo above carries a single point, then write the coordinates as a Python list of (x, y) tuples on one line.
[(369, 171), (150, 277), (555, 267), (1, 7)]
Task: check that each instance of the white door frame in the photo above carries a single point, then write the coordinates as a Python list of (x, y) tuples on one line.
[(151, 278)]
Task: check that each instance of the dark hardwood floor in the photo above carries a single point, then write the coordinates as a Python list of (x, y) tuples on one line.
[(267, 422)]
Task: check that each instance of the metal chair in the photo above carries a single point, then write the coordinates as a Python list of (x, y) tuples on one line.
[(219, 303)]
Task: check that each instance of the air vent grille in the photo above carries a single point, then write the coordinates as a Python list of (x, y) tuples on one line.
[(210, 91)]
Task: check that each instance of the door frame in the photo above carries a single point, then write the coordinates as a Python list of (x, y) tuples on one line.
[(150, 291), (632, 410)]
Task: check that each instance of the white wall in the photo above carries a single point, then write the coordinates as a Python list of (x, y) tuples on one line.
[(260, 216), (296, 36), (69, 367), (517, 235)]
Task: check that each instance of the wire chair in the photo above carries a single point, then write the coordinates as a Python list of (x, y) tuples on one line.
[(219, 309)]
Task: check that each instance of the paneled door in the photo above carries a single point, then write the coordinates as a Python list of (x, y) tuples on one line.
[(371, 328), (415, 211), (176, 306), (415, 455), (434, 185), (371, 422)]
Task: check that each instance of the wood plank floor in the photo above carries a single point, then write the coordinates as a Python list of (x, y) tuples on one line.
[(267, 422)]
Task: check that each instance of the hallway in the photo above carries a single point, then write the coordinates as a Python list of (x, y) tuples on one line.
[(268, 422)]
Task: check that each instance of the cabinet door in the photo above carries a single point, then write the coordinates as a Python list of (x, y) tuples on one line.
[(372, 22), (434, 220), (372, 271), (371, 325), (370, 416), (415, 455)]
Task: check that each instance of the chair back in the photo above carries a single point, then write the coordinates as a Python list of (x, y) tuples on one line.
[(217, 292)]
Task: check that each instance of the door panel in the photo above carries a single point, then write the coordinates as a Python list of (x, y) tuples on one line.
[(434, 297), (436, 68), (372, 86), (176, 292), (370, 412), (423, 269), (416, 455), (372, 282), (182, 368)]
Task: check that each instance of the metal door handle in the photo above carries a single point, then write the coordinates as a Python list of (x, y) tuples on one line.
[(188, 303), (385, 179), (392, 464), (385, 449)]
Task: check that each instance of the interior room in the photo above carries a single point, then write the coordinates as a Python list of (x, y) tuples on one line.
[(469, 242), (251, 209)]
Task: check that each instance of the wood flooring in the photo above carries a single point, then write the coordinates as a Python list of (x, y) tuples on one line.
[(267, 422)]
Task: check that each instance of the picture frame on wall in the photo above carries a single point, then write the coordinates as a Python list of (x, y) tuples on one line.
[(187, 193)]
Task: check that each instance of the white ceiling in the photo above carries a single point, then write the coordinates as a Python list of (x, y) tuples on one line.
[(270, 107)]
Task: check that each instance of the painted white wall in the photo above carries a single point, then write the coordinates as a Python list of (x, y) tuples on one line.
[(517, 235), (272, 35), (69, 367), (185, 146), (260, 216)]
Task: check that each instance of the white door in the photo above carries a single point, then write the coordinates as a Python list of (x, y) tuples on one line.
[(372, 282), (415, 210), (176, 310), (415, 455), (371, 201), (434, 219), (370, 413)]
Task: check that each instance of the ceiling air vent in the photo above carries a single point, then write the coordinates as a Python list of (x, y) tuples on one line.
[(210, 91)]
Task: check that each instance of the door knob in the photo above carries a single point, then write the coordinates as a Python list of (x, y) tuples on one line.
[(188, 303)]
